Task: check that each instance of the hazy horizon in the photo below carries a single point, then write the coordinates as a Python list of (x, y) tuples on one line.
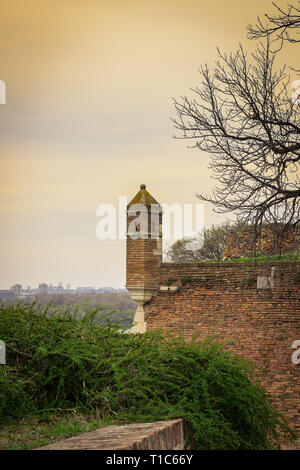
[(87, 119)]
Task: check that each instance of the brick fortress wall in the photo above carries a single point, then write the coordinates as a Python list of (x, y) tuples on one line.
[(241, 241), (254, 307)]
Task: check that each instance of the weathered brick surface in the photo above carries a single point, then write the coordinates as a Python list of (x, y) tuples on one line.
[(160, 435), (143, 258), (222, 299), (241, 241), (250, 305)]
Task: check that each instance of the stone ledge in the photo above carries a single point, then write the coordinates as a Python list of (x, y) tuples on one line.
[(168, 288), (161, 435)]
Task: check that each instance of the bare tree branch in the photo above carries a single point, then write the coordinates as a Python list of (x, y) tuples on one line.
[(243, 116), (283, 26)]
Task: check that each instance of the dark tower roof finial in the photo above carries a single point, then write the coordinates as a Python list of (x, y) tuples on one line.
[(143, 186)]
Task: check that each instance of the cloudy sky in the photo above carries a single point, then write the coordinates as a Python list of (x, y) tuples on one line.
[(87, 119)]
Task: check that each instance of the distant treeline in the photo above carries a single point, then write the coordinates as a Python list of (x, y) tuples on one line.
[(115, 307)]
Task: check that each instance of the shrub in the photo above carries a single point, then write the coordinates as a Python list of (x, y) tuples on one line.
[(61, 362)]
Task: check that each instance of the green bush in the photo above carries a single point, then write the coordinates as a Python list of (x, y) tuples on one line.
[(61, 362)]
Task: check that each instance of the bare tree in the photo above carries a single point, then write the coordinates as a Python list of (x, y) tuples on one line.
[(184, 250), (243, 116), (283, 26), (209, 245), (214, 241)]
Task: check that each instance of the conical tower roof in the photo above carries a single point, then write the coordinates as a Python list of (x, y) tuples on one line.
[(143, 197)]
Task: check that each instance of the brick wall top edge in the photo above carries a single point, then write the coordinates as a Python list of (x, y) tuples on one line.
[(230, 264)]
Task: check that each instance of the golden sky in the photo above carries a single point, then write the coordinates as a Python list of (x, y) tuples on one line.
[(89, 100)]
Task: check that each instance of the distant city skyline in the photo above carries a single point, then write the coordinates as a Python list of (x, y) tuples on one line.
[(60, 285), (17, 291)]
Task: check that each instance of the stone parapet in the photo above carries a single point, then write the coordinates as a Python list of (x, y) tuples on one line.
[(160, 435)]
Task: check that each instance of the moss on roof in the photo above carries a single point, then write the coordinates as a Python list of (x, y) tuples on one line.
[(143, 197)]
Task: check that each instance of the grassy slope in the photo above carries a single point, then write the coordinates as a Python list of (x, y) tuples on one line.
[(36, 431)]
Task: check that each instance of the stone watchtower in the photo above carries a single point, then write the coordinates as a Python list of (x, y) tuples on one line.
[(143, 252)]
